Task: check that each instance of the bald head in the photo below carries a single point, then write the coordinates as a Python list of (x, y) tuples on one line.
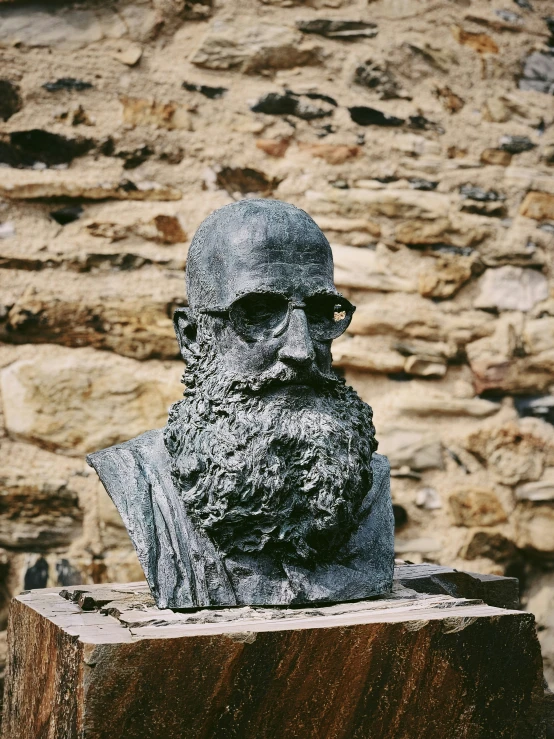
[(256, 246)]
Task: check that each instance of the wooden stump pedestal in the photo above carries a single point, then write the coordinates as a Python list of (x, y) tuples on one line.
[(102, 662)]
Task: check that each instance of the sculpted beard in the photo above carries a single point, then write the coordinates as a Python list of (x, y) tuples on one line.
[(259, 470)]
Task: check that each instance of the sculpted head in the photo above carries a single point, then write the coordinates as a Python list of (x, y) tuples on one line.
[(270, 450), (263, 271)]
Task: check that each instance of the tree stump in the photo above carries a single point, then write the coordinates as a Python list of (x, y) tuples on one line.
[(103, 662)]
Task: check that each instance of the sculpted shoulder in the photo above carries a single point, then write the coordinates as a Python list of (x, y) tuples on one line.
[(146, 451), (128, 471)]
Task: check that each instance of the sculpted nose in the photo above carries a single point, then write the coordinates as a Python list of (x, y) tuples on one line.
[(298, 348)]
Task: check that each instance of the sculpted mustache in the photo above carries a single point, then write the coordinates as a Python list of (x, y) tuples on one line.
[(284, 375)]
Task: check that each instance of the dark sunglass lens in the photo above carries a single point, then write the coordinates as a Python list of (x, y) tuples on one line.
[(256, 316), (328, 316)]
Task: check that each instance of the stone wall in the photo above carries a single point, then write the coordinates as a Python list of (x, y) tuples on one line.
[(418, 134)]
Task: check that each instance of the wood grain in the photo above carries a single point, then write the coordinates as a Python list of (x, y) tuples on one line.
[(409, 667)]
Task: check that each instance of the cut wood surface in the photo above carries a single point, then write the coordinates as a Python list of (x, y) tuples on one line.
[(102, 661)]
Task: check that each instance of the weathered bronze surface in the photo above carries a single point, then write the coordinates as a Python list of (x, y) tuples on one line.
[(264, 487)]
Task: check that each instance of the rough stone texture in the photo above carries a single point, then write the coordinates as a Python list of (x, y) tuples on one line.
[(105, 396), (368, 656), (539, 599), (252, 48), (538, 205), (476, 507), (102, 282), (535, 530), (29, 186), (511, 288), (39, 502)]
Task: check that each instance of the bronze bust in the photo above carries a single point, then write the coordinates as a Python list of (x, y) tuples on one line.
[(264, 487)]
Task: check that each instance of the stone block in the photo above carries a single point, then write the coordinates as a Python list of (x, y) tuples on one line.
[(393, 203), (514, 452), (435, 404), (366, 269), (418, 450), (141, 112), (359, 352), (130, 317), (535, 529), (511, 288), (490, 544), (250, 47), (497, 363), (80, 400), (539, 491), (444, 278), (410, 316), (72, 28), (538, 205), (31, 185), (496, 156), (472, 506), (332, 153), (479, 42), (39, 500)]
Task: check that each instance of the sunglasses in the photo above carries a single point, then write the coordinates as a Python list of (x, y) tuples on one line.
[(259, 316)]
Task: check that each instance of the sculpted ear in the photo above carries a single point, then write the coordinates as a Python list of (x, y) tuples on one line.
[(185, 329)]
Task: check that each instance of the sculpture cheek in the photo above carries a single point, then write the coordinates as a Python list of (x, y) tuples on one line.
[(260, 355), (248, 357), (323, 356)]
